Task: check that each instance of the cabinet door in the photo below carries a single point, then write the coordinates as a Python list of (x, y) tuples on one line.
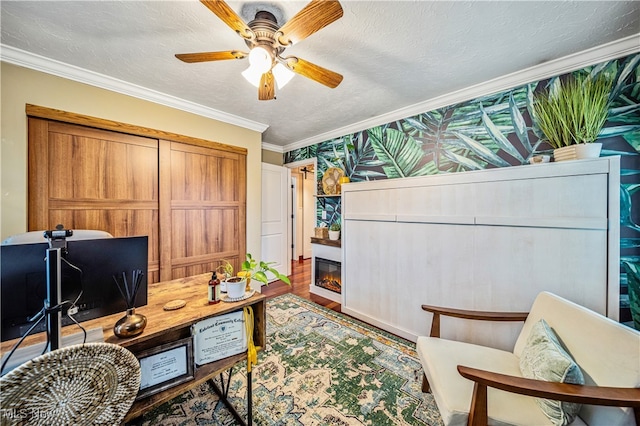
[(369, 248), (86, 178)]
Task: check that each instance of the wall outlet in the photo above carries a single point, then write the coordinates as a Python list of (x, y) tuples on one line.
[(324, 215)]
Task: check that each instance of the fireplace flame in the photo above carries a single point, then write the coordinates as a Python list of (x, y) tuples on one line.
[(330, 282)]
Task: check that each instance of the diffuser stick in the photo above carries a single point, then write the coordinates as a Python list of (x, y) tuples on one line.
[(126, 288)]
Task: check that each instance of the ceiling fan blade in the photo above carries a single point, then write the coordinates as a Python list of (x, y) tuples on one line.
[(229, 17), (211, 56), (314, 72), (267, 88), (313, 17)]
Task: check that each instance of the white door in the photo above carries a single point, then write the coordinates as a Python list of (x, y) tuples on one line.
[(275, 221)]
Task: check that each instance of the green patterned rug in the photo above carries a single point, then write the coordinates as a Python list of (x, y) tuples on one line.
[(319, 368)]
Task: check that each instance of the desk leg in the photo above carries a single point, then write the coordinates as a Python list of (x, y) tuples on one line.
[(223, 392)]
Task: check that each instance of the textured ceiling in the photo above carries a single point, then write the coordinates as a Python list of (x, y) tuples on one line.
[(392, 54)]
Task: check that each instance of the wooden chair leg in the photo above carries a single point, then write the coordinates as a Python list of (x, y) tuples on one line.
[(426, 387), (478, 410)]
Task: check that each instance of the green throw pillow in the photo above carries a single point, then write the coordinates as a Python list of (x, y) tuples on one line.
[(544, 358)]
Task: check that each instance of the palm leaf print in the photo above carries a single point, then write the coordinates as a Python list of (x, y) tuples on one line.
[(400, 153)]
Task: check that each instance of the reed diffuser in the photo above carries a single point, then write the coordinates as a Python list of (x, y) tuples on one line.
[(131, 324)]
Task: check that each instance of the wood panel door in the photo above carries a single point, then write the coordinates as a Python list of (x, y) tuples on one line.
[(203, 209), (86, 178), (275, 238)]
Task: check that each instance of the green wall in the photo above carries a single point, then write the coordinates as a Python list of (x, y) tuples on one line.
[(496, 131)]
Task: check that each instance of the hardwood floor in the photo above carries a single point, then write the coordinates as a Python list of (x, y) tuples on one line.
[(300, 279)]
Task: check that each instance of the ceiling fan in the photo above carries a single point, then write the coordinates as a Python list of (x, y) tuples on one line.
[(267, 42)]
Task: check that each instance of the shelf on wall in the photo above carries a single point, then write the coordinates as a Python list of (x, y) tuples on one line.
[(327, 196), (326, 242)]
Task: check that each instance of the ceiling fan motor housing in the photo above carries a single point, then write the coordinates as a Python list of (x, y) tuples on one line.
[(264, 26)]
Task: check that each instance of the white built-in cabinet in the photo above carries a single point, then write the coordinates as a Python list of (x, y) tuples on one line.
[(489, 239)]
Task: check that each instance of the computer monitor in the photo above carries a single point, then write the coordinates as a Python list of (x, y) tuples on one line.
[(23, 288)]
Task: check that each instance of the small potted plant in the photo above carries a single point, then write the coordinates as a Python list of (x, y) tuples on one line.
[(334, 231), (571, 115), (237, 285), (257, 270), (224, 272)]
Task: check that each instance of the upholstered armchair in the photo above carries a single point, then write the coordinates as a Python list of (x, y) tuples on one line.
[(569, 365)]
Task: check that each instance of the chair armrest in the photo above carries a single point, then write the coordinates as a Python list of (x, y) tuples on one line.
[(469, 314), (581, 394)]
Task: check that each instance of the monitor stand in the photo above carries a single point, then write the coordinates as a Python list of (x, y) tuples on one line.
[(52, 308)]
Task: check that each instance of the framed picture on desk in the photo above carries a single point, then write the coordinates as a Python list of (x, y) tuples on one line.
[(165, 366)]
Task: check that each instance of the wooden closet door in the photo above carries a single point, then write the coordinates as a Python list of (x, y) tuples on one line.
[(86, 178), (188, 197), (203, 209)]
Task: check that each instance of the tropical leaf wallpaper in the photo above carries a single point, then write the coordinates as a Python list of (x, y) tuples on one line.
[(492, 131)]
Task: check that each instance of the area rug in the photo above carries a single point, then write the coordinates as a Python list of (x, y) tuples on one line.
[(319, 368)]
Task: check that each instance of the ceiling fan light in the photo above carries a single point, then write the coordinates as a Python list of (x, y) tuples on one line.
[(260, 59), (252, 75), (282, 75)]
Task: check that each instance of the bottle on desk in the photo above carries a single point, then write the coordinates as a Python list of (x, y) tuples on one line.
[(214, 289)]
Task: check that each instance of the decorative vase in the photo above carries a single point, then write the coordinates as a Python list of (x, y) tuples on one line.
[(236, 287), (334, 235), (322, 232), (565, 153), (130, 325)]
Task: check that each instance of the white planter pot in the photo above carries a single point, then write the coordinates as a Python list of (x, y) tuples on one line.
[(236, 289), (334, 235), (588, 150)]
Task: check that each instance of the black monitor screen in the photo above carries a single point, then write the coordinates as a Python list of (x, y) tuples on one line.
[(24, 280)]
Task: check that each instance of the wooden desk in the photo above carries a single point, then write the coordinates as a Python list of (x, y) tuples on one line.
[(169, 326)]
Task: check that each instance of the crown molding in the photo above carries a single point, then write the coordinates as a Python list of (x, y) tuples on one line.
[(613, 50), (60, 69), (271, 147)]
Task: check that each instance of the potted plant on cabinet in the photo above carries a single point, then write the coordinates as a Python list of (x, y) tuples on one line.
[(236, 286), (572, 113), (334, 231), (224, 272)]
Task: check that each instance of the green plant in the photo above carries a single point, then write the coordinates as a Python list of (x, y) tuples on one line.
[(573, 111), (334, 227), (225, 268), (633, 284), (258, 270)]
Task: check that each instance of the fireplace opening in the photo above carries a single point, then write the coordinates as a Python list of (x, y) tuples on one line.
[(328, 274)]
